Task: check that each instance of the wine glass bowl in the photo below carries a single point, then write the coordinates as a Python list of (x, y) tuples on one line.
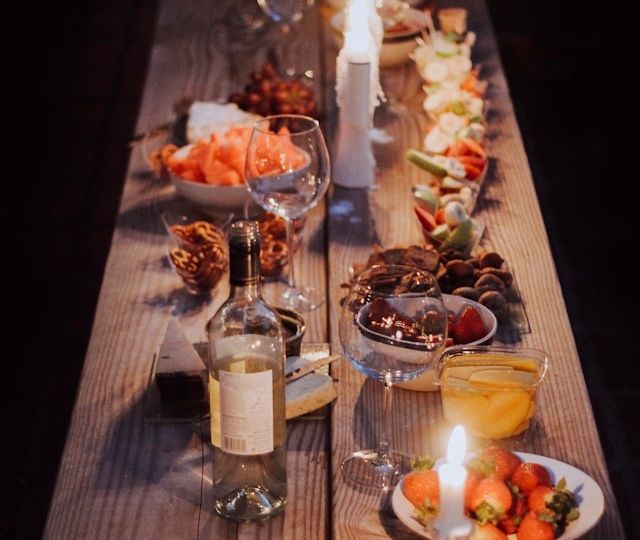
[(287, 172), (392, 328)]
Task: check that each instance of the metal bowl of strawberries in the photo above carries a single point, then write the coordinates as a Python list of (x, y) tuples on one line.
[(470, 323)]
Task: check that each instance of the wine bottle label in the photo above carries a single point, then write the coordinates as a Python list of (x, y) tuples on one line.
[(246, 412)]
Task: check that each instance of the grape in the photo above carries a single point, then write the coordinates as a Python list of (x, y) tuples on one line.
[(266, 93)]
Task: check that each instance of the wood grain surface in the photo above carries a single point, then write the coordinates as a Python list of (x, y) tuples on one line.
[(124, 477)]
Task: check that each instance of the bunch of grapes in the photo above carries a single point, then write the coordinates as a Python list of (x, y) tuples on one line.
[(267, 93)]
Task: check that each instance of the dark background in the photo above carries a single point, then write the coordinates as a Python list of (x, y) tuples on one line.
[(74, 89)]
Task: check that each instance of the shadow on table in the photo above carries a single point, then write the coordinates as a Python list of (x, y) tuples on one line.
[(140, 453), (181, 301), (351, 219)]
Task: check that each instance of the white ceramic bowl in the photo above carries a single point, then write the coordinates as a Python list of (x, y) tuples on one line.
[(396, 46), (426, 381), (208, 194)]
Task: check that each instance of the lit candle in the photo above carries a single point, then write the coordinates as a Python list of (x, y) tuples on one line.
[(451, 522)]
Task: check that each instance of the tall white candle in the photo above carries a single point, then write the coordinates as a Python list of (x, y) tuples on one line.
[(451, 522), (356, 89), (353, 156)]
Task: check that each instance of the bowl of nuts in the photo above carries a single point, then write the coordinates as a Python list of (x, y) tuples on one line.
[(197, 252)]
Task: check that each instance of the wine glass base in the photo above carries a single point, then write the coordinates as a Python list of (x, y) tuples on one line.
[(301, 299), (364, 469)]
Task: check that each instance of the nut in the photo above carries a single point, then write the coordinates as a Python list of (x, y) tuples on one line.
[(467, 292), (491, 259), (489, 282), (504, 275), (459, 269), (493, 300)]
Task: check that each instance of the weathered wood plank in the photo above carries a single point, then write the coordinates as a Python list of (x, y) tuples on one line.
[(508, 206)]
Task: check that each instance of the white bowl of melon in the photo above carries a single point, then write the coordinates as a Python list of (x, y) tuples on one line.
[(211, 172)]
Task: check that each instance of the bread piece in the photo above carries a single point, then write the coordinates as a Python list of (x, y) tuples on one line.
[(308, 394)]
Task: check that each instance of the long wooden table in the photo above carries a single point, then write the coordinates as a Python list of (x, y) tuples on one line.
[(124, 477)]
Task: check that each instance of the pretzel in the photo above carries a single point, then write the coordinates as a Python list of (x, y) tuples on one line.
[(200, 259), (273, 256)]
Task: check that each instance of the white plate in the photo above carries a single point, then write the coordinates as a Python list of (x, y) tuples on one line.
[(588, 495)]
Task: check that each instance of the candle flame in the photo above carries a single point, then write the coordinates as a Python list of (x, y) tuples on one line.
[(357, 36), (457, 446)]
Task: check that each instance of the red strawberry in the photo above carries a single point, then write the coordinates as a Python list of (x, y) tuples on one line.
[(487, 532), (426, 218), (539, 497), (451, 324), (490, 500), (532, 528), (510, 523), (498, 463), (473, 479), (419, 486), (530, 475), (469, 326)]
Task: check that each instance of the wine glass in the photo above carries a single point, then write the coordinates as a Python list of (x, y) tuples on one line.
[(284, 12), (393, 326), (287, 171)]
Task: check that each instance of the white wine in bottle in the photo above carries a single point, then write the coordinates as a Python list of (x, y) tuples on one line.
[(246, 387)]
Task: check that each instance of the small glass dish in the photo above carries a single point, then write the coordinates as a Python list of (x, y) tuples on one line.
[(491, 390), (197, 252)]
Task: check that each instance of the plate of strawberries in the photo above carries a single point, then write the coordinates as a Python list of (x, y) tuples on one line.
[(508, 496)]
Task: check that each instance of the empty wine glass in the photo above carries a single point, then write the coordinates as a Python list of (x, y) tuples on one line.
[(287, 171), (393, 326)]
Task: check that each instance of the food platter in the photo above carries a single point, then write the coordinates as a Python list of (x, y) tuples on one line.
[(589, 497)]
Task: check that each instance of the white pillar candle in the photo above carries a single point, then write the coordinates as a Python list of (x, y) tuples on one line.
[(451, 522), (353, 161)]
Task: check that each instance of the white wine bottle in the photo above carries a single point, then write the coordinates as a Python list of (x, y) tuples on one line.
[(246, 387)]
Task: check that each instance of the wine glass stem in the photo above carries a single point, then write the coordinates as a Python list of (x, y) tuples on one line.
[(290, 240), (384, 452)]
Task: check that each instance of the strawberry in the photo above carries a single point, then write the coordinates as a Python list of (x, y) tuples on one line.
[(422, 487), (473, 478), (554, 505), (451, 324), (539, 497), (490, 500), (532, 528), (469, 326), (426, 218), (530, 475), (495, 462), (510, 523), (487, 532)]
